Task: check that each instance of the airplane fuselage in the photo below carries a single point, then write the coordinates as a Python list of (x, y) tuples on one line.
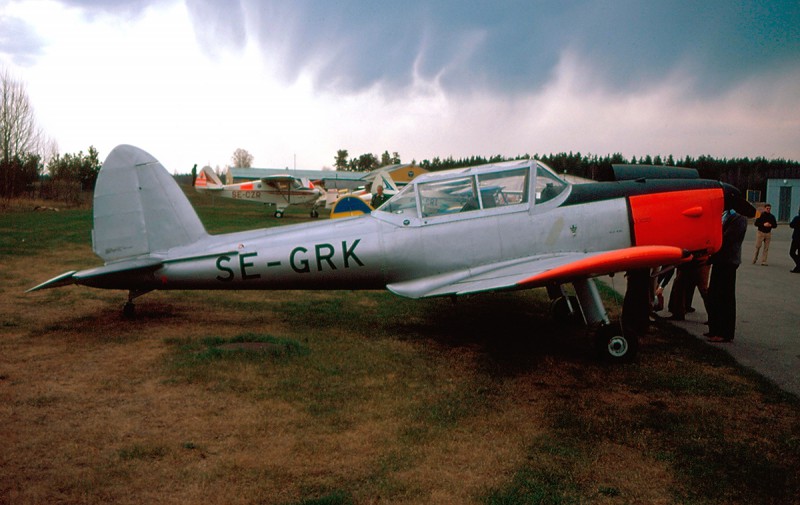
[(380, 249)]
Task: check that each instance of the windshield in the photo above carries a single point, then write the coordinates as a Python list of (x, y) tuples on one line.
[(404, 202), (462, 193), (548, 185)]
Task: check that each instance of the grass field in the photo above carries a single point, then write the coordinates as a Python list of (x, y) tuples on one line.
[(347, 397)]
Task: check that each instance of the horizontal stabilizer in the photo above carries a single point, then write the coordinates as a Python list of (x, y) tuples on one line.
[(64, 279), (147, 264), (114, 275)]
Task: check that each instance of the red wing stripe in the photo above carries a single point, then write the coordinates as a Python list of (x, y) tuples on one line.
[(609, 262)]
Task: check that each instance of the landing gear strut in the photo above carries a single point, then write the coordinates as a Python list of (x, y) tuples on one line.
[(563, 307), (612, 343), (129, 309)]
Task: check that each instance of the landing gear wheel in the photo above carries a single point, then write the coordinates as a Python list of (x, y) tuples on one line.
[(565, 309), (314, 213), (278, 213), (615, 346), (129, 310)]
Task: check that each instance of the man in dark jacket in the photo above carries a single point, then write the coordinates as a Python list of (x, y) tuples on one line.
[(765, 223), (722, 286), (794, 250)]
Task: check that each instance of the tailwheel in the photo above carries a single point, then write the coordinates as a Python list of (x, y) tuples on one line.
[(614, 345), (129, 310)]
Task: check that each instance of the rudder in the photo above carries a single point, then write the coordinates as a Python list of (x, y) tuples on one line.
[(139, 209)]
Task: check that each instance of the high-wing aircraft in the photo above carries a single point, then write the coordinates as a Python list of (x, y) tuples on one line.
[(503, 226), (280, 190)]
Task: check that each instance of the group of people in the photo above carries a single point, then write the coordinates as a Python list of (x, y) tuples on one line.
[(714, 278)]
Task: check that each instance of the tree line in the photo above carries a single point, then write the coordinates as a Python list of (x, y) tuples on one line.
[(744, 173)]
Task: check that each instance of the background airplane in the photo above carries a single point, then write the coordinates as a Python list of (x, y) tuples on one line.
[(337, 184), (280, 190), (503, 226)]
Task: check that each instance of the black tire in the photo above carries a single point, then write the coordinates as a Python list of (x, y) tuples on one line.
[(278, 214), (129, 310), (614, 345)]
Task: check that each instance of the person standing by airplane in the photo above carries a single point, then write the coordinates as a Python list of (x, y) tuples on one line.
[(765, 223), (722, 287), (379, 197), (794, 249)]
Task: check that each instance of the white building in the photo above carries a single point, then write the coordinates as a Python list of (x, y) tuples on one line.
[(784, 196)]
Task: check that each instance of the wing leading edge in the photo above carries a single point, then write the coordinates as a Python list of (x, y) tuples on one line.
[(536, 271)]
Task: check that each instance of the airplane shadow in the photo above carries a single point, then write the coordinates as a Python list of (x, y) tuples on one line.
[(512, 333), (508, 333)]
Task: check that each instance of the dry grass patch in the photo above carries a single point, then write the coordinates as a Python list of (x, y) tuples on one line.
[(361, 397)]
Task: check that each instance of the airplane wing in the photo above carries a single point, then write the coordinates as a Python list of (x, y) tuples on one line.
[(535, 271), (278, 178), (273, 180)]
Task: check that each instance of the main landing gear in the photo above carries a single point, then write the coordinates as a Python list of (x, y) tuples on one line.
[(610, 341), (279, 213)]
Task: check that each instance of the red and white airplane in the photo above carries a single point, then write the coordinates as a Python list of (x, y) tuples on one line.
[(503, 226), (280, 190)]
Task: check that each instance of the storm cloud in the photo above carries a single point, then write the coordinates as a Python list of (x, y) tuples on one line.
[(511, 46)]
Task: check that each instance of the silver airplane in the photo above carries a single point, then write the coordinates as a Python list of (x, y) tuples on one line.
[(503, 226)]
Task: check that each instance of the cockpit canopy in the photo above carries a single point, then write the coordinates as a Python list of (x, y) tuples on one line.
[(476, 188)]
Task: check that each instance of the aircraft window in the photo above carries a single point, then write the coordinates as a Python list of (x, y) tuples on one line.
[(444, 197), (548, 185), (504, 188), (404, 202)]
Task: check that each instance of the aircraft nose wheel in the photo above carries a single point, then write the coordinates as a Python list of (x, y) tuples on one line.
[(614, 345), (314, 213), (278, 213)]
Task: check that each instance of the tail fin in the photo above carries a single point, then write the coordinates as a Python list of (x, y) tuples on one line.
[(139, 208), (207, 178)]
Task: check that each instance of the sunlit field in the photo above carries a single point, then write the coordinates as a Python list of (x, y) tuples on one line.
[(356, 397)]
